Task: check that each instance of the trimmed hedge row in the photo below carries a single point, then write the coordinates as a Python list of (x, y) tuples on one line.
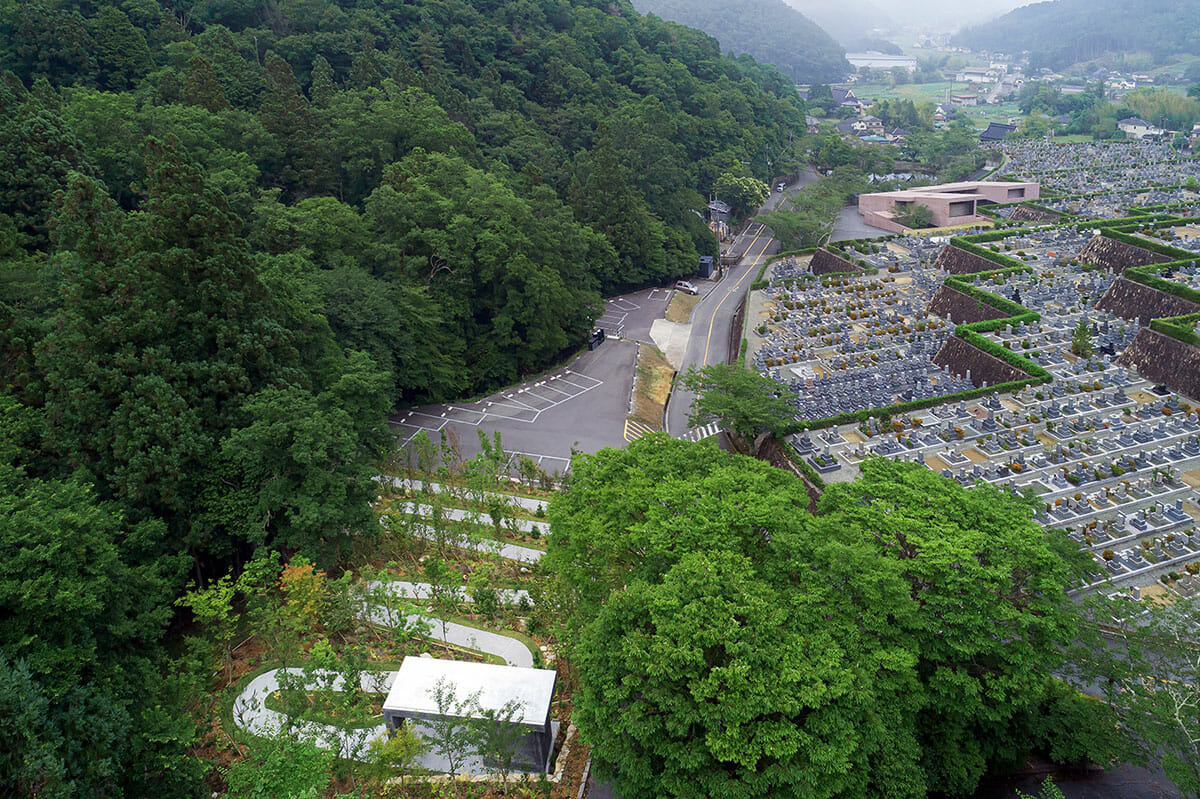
[(778, 255), (1146, 244), (803, 466), (987, 298), (908, 407), (1147, 277), (1182, 328)]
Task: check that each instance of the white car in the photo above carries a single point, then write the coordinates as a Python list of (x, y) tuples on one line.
[(780, 186), (686, 287)]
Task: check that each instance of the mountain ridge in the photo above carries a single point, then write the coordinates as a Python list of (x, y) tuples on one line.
[(770, 31)]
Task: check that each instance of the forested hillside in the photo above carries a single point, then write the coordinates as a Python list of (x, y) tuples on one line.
[(485, 168), (769, 30), (233, 235), (1157, 28)]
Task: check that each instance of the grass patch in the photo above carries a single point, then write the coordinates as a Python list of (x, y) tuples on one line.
[(680, 309), (652, 387), (328, 707)]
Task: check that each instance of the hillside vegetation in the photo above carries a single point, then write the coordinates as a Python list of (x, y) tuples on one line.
[(233, 236), (769, 30), (1097, 28)]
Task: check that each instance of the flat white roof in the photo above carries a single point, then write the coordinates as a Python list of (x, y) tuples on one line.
[(413, 688)]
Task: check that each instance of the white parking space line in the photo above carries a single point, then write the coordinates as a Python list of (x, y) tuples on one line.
[(550, 463), (659, 294), (523, 404)]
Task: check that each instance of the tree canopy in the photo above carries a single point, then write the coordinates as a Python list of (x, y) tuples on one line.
[(907, 632)]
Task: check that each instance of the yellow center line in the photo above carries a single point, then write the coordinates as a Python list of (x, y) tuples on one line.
[(750, 271)]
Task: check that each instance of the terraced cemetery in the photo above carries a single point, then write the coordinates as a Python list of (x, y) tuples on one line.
[(1061, 360)]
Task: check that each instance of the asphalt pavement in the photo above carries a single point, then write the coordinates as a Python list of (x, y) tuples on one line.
[(709, 342), (581, 406)]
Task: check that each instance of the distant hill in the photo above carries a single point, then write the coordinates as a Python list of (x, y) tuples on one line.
[(848, 21), (769, 30), (1063, 32)]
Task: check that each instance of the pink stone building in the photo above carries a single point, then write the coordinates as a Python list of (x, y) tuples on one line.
[(951, 203)]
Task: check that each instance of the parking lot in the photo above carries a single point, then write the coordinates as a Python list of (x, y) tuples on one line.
[(581, 406)]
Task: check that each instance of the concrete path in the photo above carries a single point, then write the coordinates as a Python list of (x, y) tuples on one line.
[(251, 714), (461, 515), (402, 589), (528, 503)]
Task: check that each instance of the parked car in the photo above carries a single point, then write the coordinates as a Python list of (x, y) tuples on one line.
[(686, 287), (780, 186)]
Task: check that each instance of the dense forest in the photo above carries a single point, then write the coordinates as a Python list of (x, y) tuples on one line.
[(474, 173), (233, 235), (1098, 28), (770, 30)]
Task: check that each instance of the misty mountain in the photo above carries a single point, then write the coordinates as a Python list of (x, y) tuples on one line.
[(848, 21), (1063, 32), (769, 30)]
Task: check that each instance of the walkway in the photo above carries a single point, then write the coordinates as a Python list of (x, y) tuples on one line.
[(528, 503), (250, 711)]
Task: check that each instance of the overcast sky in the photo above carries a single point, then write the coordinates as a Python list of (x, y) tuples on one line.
[(954, 12)]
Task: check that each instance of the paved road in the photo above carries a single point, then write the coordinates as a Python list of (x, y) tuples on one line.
[(709, 342)]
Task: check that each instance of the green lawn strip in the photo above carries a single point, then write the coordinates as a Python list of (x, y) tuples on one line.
[(315, 714), (450, 481), (479, 533)]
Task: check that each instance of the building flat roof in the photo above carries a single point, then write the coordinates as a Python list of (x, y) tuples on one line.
[(413, 688), (967, 190)]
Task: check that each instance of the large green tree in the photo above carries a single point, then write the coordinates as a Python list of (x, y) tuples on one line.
[(918, 619), (745, 402)]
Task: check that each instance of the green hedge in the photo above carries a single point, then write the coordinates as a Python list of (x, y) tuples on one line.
[(1153, 246), (1146, 275), (1179, 327), (778, 255), (1009, 307), (914, 405)]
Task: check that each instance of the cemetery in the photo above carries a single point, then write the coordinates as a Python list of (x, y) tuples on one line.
[(1059, 361)]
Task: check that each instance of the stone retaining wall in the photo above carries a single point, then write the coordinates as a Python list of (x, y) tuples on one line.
[(1130, 300), (960, 357), (960, 308), (1117, 256), (1166, 360), (825, 262), (960, 262)]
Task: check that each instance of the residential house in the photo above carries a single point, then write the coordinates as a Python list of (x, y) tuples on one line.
[(961, 100), (1138, 128), (996, 132)]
